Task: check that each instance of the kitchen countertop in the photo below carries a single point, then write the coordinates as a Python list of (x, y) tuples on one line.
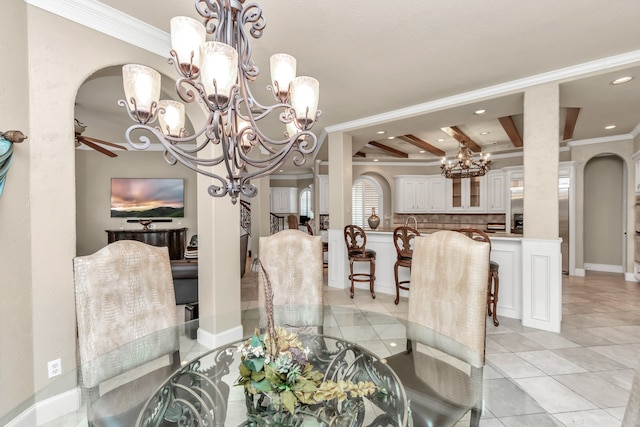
[(491, 234)]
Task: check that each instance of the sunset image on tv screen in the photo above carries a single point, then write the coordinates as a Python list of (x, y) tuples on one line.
[(147, 197)]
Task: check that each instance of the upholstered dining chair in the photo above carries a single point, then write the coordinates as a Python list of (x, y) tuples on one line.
[(356, 240), (493, 281), (124, 293), (292, 262), (446, 315), (403, 241)]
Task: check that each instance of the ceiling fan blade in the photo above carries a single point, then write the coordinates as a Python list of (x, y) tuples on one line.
[(97, 147), (99, 141)]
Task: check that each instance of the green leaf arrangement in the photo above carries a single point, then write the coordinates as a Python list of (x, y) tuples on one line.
[(280, 368)]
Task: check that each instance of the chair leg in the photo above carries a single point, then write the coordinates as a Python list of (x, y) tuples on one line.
[(351, 276), (496, 287), (395, 275), (372, 277)]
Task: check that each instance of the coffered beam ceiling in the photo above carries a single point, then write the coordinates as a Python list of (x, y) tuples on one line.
[(458, 135), (570, 120), (510, 129), (423, 145), (389, 150), (360, 154)]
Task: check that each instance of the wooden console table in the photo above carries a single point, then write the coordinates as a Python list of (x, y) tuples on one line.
[(175, 239)]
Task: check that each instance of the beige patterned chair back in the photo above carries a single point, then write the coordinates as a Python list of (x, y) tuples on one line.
[(293, 262), (449, 294), (123, 292)]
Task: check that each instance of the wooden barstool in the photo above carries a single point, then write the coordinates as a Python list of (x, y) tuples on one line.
[(493, 285), (403, 241), (356, 239), (325, 246)]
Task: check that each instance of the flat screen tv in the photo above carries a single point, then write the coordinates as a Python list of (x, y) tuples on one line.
[(147, 198)]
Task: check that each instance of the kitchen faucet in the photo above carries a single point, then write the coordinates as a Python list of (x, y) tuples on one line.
[(415, 222)]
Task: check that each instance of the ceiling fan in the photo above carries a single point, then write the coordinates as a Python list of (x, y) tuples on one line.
[(93, 142)]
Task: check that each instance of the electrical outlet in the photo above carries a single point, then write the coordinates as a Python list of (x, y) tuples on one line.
[(55, 368)]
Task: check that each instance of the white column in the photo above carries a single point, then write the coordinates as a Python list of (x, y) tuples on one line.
[(541, 263), (218, 264), (340, 182)]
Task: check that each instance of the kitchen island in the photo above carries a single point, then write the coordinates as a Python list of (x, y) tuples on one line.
[(506, 250)]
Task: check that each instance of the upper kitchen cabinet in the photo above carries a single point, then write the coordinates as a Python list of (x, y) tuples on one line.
[(466, 194), (497, 192), (436, 194), (323, 194), (411, 194), (284, 200)]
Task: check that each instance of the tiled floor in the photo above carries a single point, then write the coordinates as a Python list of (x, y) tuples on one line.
[(581, 376)]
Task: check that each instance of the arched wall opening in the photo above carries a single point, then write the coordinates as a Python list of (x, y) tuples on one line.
[(605, 213)]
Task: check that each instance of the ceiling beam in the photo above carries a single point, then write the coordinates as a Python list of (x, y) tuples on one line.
[(423, 145), (360, 154), (392, 151), (570, 123), (511, 130), (455, 132)]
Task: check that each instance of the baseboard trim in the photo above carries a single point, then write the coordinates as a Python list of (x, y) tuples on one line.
[(49, 409), (580, 272), (630, 277), (607, 268), (210, 340)]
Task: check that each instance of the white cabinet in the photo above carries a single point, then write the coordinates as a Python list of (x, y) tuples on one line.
[(466, 194), (411, 194), (284, 200), (323, 194), (496, 192), (436, 194)]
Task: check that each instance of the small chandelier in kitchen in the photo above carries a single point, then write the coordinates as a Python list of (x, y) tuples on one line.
[(465, 165), (216, 74)]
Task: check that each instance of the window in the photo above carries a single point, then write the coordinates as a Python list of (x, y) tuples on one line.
[(306, 203), (366, 194)]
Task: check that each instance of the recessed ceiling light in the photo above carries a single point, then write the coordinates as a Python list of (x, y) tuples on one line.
[(478, 112), (621, 80), (391, 137), (381, 132), (422, 151), (281, 170), (376, 160), (440, 140), (392, 344), (484, 133), (610, 127)]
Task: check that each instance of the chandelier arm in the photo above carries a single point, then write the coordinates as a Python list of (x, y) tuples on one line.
[(233, 116)]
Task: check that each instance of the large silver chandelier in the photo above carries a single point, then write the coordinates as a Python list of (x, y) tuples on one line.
[(465, 165), (216, 73)]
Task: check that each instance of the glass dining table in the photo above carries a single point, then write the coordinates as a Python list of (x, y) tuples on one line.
[(353, 347)]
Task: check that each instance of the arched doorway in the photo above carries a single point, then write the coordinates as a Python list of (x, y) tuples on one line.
[(605, 214)]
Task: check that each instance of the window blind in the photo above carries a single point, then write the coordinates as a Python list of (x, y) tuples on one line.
[(364, 197)]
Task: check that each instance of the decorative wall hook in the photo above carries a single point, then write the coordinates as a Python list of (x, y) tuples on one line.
[(7, 139)]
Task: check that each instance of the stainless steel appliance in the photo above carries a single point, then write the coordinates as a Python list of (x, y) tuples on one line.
[(563, 225), (516, 188)]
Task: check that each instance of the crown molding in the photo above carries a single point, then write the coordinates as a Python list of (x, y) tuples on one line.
[(563, 74), (109, 21), (613, 138)]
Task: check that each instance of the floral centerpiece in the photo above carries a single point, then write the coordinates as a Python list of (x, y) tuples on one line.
[(276, 364)]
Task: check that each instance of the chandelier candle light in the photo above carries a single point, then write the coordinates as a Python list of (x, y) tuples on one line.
[(216, 73), (464, 165)]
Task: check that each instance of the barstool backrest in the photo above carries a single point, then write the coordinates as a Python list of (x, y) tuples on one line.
[(403, 241), (356, 240), (475, 234)]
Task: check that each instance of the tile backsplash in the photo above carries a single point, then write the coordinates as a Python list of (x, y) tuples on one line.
[(450, 221)]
